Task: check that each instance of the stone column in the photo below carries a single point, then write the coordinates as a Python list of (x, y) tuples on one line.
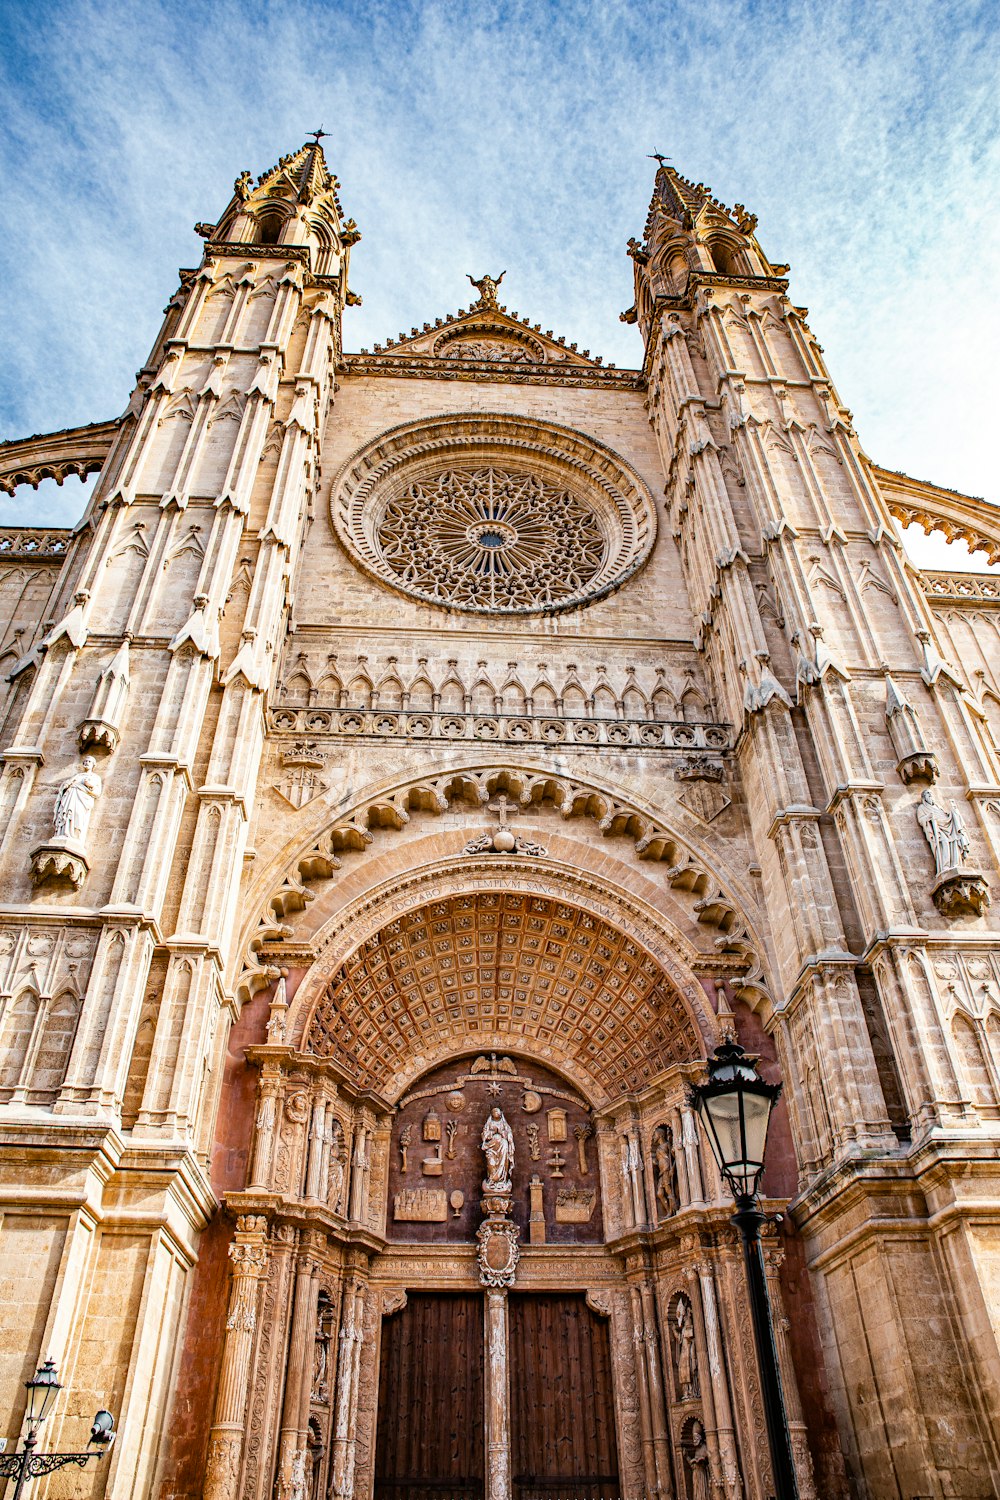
[(497, 1397), (265, 1127), (358, 1165), (642, 1380), (345, 1416), (292, 1439), (680, 1157), (720, 1383), (317, 1136), (689, 1136), (249, 1257), (657, 1406)]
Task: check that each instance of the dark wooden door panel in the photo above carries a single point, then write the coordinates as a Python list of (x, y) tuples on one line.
[(430, 1441), (563, 1441)]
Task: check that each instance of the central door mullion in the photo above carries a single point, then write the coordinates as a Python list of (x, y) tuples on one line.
[(497, 1396)]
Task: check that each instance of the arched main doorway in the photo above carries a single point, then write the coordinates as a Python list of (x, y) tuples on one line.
[(593, 1368)]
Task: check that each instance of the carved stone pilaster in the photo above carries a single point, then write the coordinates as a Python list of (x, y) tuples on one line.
[(249, 1254), (345, 1418), (725, 1434), (774, 1255)]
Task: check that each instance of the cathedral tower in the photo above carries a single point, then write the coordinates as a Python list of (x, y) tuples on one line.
[(412, 765)]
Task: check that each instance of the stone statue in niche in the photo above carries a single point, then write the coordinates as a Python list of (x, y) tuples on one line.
[(665, 1171), (75, 802), (945, 833), (320, 1391), (697, 1461), (686, 1361), (336, 1184), (498, 1148)]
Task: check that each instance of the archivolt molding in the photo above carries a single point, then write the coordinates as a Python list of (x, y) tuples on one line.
[(689, 871), (600, 482), (960, 517), (660, 1004), (55, 455)]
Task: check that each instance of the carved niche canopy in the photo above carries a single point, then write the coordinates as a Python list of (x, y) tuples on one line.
[(493, 514), (552, 977)]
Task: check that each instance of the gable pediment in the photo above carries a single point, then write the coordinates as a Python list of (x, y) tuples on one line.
[(486, 341)]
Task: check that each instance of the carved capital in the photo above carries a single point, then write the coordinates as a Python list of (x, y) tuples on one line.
[(248, 1260)]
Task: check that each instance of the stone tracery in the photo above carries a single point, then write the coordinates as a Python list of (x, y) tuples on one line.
[(493, 514), (492, 538)]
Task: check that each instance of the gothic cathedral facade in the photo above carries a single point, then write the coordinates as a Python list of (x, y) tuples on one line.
[(412, 766)]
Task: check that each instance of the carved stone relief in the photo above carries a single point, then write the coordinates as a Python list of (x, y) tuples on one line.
[(494, 1125)]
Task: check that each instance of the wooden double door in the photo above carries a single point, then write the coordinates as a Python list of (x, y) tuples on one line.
[(431, 1430)]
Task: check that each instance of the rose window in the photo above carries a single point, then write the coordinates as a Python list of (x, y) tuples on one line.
[(493, 513), (492, 539)]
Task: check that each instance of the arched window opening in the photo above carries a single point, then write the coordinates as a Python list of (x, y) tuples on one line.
[(725, 258), (269, 228)]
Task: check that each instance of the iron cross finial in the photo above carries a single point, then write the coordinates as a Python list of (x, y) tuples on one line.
[(319, 135), (655, 156)]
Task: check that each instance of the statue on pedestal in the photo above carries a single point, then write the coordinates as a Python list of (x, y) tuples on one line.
[(498, 1148), (75, 802)]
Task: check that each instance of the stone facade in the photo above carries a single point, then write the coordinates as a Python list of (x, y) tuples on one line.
[(468, 707)]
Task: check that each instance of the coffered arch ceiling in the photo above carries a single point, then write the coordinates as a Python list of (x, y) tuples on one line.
[(508, 970)]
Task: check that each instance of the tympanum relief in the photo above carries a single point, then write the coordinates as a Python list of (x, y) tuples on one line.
[(530, 1131)]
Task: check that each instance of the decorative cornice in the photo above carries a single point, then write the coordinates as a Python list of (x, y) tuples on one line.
[(252, 250), (423, 366)]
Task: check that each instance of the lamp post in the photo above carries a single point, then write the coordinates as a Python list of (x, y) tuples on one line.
[(734, 1105), (28, 1464)]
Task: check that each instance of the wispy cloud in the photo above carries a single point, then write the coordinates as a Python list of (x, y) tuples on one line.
[(864, 135)]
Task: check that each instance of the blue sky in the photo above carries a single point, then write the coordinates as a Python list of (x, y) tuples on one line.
[(490, 136)]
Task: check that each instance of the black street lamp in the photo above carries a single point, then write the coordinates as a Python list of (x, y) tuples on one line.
[(28, 1464), (734, 1105)]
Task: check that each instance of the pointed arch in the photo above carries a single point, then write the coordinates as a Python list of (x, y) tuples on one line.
[(52, 1058), (18, 1028), (291, 882)]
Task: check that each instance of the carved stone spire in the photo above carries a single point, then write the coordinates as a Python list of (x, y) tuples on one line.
[(295, 202)]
